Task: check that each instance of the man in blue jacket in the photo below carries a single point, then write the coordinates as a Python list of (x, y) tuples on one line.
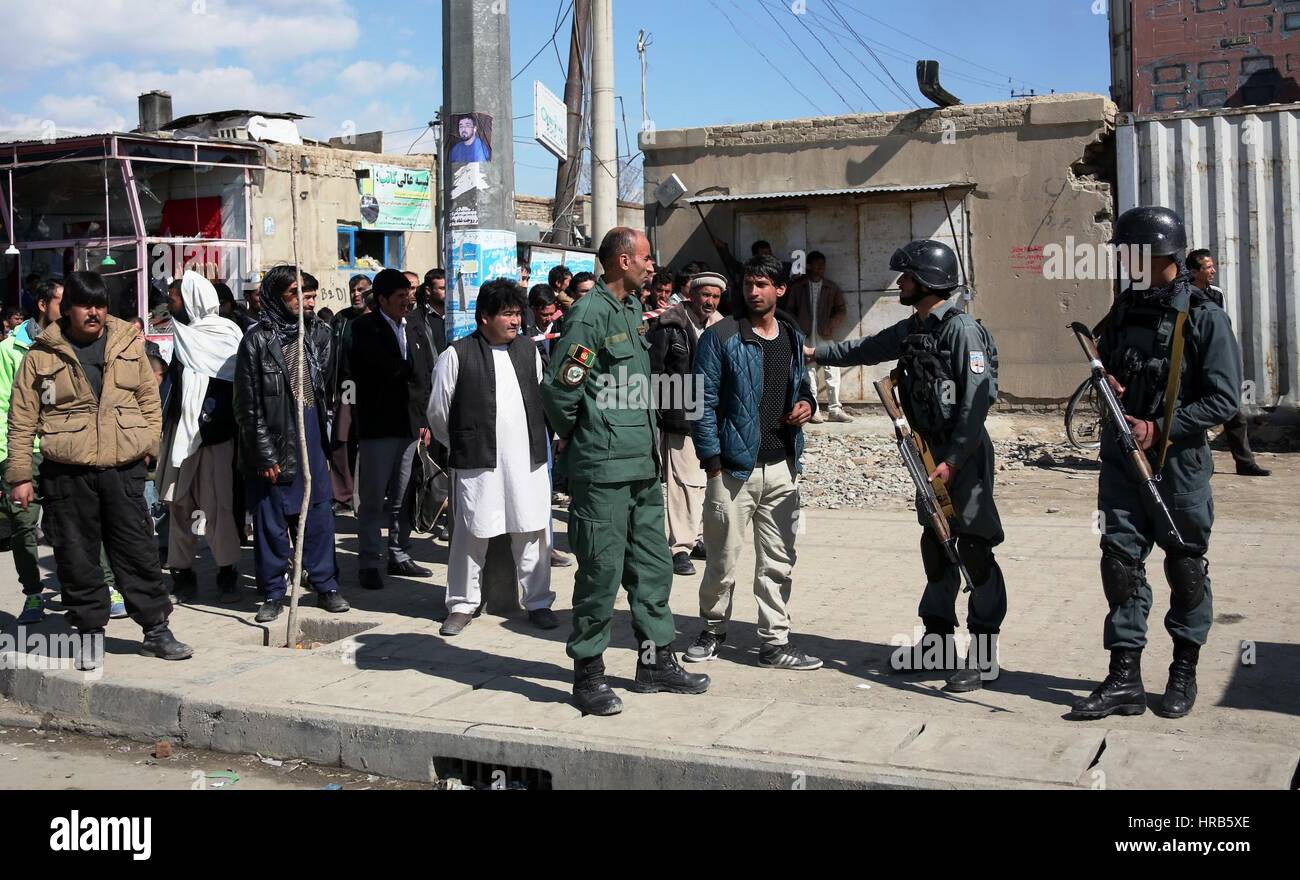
[(750, 440)]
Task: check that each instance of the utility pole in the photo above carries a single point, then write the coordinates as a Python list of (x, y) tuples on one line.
[(604, 149), (479, 187), (569, 171)]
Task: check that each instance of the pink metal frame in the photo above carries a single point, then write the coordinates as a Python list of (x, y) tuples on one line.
[(112, 149)]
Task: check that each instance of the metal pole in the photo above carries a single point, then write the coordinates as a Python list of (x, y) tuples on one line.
[(604, 150)]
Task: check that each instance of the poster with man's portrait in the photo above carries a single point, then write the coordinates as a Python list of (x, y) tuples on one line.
[(472, 134)]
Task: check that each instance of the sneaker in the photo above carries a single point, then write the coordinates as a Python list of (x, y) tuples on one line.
[(33, 610), (839, 415), (682, 564), (818, 417), (117, 605), (787, 657), (559, 560), (705, 647)]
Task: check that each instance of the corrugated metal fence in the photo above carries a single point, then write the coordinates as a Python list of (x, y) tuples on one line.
[(1234, 175)]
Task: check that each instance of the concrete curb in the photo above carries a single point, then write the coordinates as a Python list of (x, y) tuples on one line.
[(421, 749)]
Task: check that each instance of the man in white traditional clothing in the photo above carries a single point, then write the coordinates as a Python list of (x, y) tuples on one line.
[(196, 467), (487, 410)]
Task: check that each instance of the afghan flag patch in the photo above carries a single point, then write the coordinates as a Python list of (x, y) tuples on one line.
[(578, 362)]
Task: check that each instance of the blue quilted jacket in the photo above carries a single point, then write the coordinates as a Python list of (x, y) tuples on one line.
[(730, 361)]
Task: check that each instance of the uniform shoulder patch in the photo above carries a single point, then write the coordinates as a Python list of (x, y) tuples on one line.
[(577, 364), (977, 362)]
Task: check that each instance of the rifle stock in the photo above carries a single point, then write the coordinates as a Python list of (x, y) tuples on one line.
[(929, 500)]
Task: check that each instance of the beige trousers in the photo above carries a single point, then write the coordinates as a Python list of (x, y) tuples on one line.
[(207, 509), (770, 500), (685, 480)]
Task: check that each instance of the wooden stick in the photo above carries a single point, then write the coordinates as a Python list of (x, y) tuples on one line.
[(304, 467)]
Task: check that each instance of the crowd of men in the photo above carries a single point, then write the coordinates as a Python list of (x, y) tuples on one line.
[(374, 411)]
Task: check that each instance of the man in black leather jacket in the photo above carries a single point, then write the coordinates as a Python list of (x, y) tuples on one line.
[(267, 411)]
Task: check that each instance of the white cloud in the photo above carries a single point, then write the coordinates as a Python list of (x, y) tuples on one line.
[(81, 29), (196, 91), (60, 116), (367, 76)]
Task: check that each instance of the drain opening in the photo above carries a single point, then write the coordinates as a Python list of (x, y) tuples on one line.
[(482, 776)]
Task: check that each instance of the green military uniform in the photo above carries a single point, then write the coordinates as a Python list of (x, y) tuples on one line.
[(947, 345), (597, 397), (1135, 343)]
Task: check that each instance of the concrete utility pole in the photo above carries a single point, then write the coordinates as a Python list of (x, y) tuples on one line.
[(478, 184), (569, 171), (604, 144)]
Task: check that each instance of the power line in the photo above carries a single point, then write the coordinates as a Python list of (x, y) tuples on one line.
[(938, 49), (559, 22), (886, 50), (760, 52), (906, 95), (831, 55), (799, 51)]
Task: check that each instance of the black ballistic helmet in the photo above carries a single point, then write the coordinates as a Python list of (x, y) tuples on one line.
[(1159, 228), (931, 263)]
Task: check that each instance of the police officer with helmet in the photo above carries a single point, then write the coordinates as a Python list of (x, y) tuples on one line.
[(947, 380), (1174, 363)]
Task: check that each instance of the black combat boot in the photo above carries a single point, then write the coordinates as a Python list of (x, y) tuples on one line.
[(1180, 692), (666, 674), (159, 642), (1121, 693), (980, 665), (591, 692), (936, 644)]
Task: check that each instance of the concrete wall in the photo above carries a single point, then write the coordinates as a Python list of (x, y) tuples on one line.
[(1030, 173), (330, 183)]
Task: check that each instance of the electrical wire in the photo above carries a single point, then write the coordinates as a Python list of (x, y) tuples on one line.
[(800, 52), (559, 22), (831, 55), (758, 51), (906, 95), (941, 50)]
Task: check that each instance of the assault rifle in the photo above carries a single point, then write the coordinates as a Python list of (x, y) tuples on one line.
[(931, 498), (1137, 459)]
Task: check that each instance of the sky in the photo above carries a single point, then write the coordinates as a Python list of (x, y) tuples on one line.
[(366, 65)]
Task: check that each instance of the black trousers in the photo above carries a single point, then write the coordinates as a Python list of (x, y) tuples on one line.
[(1234, 430), (85, 506)]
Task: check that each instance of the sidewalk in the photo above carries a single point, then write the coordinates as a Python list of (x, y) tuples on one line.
[(387, 695)]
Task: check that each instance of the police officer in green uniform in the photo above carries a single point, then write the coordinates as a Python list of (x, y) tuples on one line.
[(1137, 345), (597, 398), (948, 381)]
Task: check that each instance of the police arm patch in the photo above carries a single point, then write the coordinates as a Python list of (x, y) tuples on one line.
[(977, 362), (577, 364)]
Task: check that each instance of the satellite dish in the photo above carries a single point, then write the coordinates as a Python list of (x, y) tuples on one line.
[(670, 191)]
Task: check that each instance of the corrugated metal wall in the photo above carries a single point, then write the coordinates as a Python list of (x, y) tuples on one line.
[(1234, 175)]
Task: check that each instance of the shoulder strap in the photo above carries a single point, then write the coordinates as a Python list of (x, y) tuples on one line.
[(1171, 387)]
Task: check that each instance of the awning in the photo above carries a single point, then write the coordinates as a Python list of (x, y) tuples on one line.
[(843, 191)]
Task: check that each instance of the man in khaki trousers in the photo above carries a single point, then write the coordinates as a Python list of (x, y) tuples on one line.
[(673, 341), (749, 437)]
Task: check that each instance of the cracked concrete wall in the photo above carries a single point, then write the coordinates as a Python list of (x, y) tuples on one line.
[(1035, 172)]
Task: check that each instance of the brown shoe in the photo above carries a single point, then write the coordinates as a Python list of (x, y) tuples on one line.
[(454, 623)]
